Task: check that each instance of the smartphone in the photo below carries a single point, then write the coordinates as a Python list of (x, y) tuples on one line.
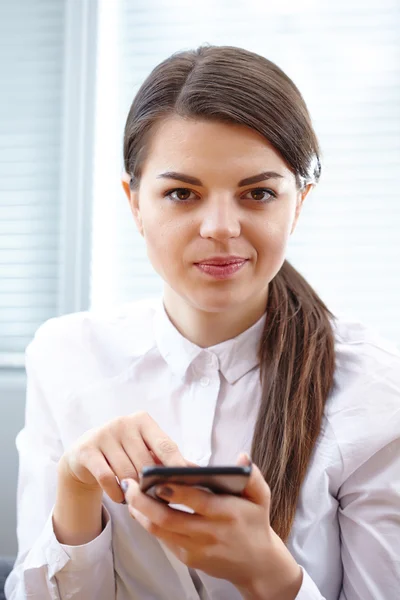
[(216, 479)]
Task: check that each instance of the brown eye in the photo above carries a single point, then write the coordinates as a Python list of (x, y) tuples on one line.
[(262, 195), (179, 195)]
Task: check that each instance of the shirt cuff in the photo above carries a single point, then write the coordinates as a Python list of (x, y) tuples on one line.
[(308, 590), (48, 550), (87, 555)]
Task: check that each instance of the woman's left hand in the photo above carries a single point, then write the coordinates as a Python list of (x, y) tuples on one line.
[(227, 537)]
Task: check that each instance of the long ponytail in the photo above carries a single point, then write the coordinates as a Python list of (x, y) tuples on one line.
[(297, 366)]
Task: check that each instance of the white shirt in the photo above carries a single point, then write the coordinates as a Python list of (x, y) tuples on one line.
[(84, 369)]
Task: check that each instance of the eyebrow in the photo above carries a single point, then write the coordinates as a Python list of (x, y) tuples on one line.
[(194, 181)]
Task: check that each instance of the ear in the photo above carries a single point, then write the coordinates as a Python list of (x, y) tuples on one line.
[(300, 201), (133, 199)]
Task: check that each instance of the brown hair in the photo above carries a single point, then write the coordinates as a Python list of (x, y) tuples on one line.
[(233, 85)]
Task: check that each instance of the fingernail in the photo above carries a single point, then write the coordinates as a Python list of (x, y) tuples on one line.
[(164, 491), (124, 485), (247, 457)]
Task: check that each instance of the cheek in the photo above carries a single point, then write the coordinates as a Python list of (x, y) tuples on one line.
[(270, 241), (165, 242)]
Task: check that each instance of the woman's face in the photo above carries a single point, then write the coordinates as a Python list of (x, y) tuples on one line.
[(194, 205)]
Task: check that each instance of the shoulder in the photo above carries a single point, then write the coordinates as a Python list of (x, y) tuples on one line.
[(82, 328), (364, 406), (353, 338), (94, 342)]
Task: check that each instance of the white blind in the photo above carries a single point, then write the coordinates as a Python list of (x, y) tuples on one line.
[(345, 59), (31, 64)]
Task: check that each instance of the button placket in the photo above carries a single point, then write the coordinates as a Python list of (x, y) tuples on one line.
[(201, 412)]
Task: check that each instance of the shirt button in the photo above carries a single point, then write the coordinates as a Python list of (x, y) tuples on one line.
[(204, 381)]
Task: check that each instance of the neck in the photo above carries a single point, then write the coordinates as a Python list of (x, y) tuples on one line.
[(207, 329)]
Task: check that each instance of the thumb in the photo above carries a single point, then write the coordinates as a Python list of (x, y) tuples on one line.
[(257, 489)]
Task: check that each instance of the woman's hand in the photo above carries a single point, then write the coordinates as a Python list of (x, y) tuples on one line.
[(227, 537), (118, 449)]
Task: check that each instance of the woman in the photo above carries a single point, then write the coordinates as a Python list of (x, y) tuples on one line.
[(240, 356)]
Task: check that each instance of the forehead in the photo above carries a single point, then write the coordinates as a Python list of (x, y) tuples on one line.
[(188, 144)]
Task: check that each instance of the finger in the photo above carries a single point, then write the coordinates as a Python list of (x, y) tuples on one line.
[(204, 503), (157, 461), (104, 475), (138, 453), (158, 442), (169, 519), (191, 464), (257, 489), (188, 553), (174, 541), (118, 460)]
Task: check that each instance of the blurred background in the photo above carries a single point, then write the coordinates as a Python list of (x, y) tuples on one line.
[(69, 70)]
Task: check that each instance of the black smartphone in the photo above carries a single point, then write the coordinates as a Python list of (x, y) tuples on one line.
[(216, 479)]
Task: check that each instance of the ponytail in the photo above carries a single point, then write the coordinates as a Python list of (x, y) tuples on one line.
[(297, 366)]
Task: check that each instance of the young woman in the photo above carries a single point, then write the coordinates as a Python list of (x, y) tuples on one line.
[(240, 356)]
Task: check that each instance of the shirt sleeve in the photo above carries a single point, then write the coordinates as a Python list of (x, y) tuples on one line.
[(369, 496), (369, 518), (308, 590), (44, 568)]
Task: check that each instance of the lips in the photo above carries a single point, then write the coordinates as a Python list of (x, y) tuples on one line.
[(218, 267), (222, 261)]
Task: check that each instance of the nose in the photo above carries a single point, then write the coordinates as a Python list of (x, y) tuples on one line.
[(221, 219)]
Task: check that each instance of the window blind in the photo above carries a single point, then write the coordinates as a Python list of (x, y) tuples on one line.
[(31, 65), (344, 57)]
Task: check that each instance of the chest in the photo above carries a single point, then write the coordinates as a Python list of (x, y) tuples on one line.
[(210, 419)]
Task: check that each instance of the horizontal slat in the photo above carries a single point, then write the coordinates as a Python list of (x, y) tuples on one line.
[(26, 256), (39, 34), (16, 343), (33, 155), (21, 227), (38, 110), (22, 198), (29, 241), (31, 9), (29, 285), (24, 171), (31, 213), (361, 18), (24, 315), (32, 140), (27, 300), (227, 7), (25, 271), (42, 30), (29, 182), (12, 374), (37, 71), (20, 329), (30, 126)]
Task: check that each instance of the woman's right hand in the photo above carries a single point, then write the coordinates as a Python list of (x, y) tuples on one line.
[(120, 448)]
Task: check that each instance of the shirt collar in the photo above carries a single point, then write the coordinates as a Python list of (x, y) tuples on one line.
[(236, 356)]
